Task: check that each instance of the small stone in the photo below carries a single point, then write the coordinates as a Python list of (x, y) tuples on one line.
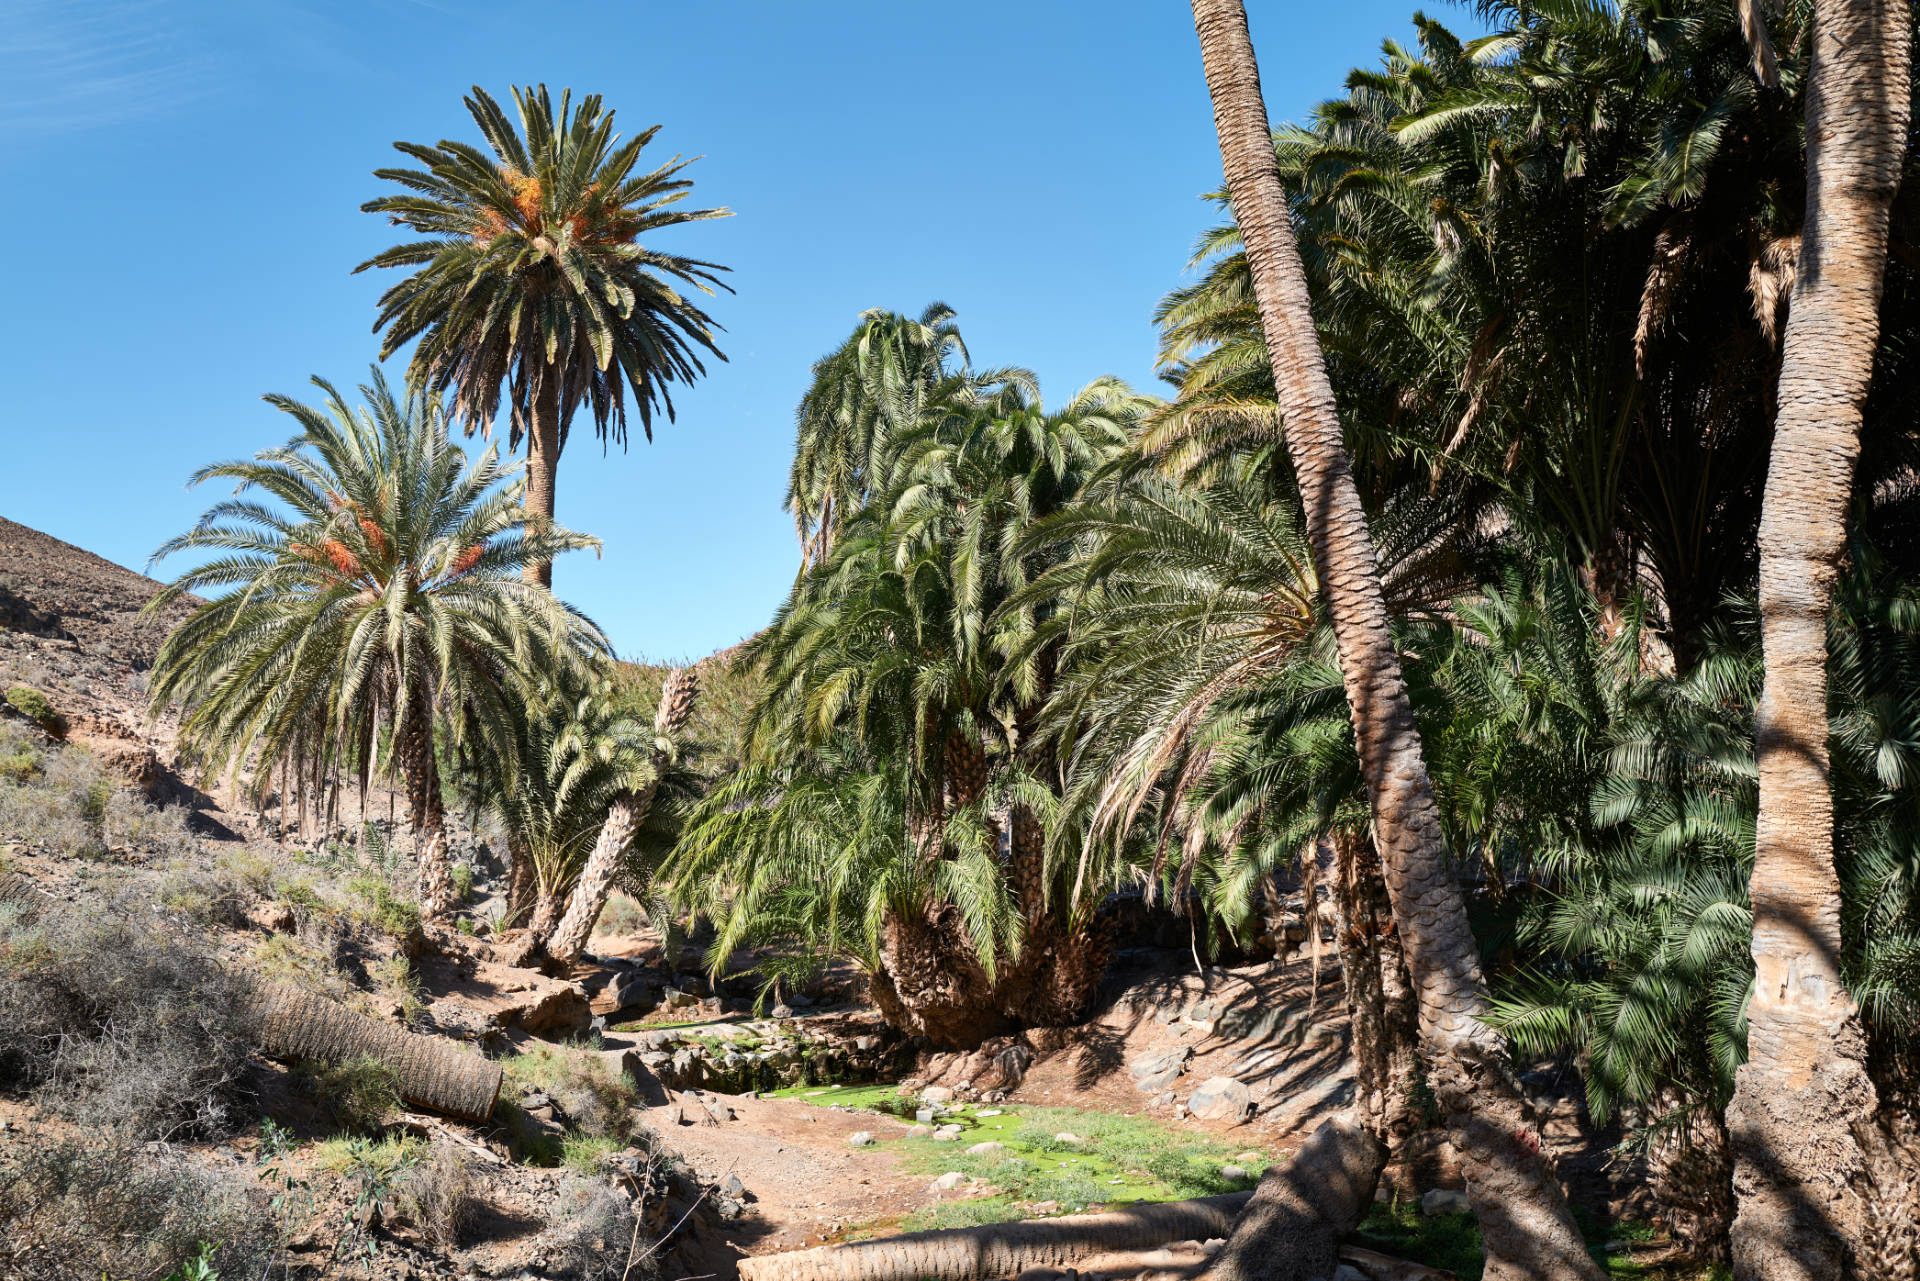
[(920, 1131), (1443, 1201), (946, 1134), (1068, 1136), (989, 1112), (935, 1095), (1233, 1173), (861, 1139), (947, 1182), (988, 1148)]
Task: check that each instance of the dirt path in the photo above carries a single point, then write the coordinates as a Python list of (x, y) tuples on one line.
[(805, 1182)]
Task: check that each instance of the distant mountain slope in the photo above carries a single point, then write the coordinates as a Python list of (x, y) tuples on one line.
[(56, 591)]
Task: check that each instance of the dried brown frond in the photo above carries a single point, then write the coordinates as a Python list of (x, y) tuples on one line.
[(1664, 273), (1770, 278)]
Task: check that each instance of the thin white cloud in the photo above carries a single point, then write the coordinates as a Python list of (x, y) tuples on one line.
[(70, 66)]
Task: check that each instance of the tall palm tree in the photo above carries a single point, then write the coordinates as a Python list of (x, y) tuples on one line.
[(1804, 1098), (533, 277), (1525, 1221), (378, 602), (875, 384)]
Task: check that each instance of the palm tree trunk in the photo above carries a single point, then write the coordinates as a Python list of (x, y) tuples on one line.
[(1804, 1097), (543, 464), (428, 813), (624, 816), (1524, 1218), (1379, 997)]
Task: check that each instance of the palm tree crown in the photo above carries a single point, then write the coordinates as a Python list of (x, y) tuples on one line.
[(373, 604)]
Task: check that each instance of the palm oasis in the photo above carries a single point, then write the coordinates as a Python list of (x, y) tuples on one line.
[(1429, 789)]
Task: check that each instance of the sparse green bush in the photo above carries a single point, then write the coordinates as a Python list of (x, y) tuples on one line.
[(622, 917), (598, 1101), (588, 1153), (395, 980), (121, 1026), (33, 705), (462, 881), (73, 1210), (385, 910), (361, 1093)]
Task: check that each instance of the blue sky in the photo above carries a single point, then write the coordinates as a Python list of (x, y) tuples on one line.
[(185, 211)]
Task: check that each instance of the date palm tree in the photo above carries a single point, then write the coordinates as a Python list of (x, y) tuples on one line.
[(372, 614), (1804, 1099), (1525, 1220), (533, 277)]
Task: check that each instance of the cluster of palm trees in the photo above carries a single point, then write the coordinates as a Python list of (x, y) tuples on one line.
[(1526, 547), (381, 603)]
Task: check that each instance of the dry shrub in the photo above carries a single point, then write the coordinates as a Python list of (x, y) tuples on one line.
[(128, 822), (439, 1195), (361, 1093), (123, 1027), (77, 1211), (594, 1233)]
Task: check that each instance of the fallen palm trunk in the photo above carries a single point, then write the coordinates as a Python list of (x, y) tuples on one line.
[(1003, 1249), (289, 1023), (432, 1072), (1293, 1226)]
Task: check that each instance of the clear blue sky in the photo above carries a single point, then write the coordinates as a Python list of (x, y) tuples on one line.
[(184, 211)]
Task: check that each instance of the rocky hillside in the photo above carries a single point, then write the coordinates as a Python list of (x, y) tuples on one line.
[(72, 629)]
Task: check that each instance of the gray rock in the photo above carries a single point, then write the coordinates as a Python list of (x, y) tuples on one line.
[(783, 1011), (920, 1131), (1221, 1098), (734, 1188), (947, 1182), (1234, 1173), (946, 1134), (1443, 1201), (936, 1095), (1155, 1071), (1068, 1136), (862, 1139), (988, 1148)]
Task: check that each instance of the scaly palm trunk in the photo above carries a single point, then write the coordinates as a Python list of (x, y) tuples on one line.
[(543, 464), (1380, 1003), (1524, 1219), (427, 812), (1803, 1099), (569, 937)]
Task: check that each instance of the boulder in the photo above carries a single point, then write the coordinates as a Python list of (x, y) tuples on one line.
[(935, 1095), (988, 1148), (1234, 1173), (947, 1182), (1158, 1069), (920, 1131), (548, 1008), (1444, 1201), (860, 1139), (1221, 1098)]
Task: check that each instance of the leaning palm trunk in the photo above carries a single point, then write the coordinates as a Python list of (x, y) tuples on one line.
[(428, 813), (568, 939), (1524, 1218), (1803, 1100)]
